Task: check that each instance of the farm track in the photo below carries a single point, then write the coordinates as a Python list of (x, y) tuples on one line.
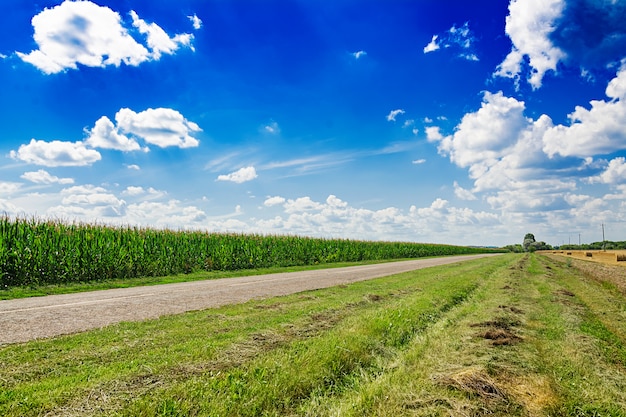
[(22, 320)]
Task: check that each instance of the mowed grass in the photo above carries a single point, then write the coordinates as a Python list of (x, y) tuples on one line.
[(523, 335)]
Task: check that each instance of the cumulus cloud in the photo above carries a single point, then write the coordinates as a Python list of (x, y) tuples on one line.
[(486, 135), (614, 173), (462, 193), (82, 32), (56, 153), (44, 177), (530, 24), (240, 176), (391, 117), (336, 217), (89, 201), (273, 201), (105, 135), (459, 39), (301, 204), (504, 153), (598, 130), (162, 127)]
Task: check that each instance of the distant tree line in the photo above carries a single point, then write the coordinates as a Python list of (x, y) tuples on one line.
[(596, 245), (530, 245)]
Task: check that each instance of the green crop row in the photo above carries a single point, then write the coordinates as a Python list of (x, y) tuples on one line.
[(37, 252)]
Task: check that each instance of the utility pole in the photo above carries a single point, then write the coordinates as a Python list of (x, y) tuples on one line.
[(579, 240), (603, 240)]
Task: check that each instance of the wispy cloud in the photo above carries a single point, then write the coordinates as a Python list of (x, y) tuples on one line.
[(271, 128), (391, 117), (459, 39), (359, 54)]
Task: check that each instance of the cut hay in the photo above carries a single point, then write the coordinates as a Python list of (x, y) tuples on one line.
[(473, 382)]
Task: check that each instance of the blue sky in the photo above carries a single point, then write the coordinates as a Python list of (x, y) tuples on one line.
[(431, 121)]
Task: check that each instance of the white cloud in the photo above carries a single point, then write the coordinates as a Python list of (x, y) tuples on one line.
[(418, 161), (133, 191), (136, 191), (615, 173), (170, 214), (134, 167), (529, 25), (503, 151), (486, 135), (273, 201), (460, 38), (162, 127), (433, 134), (88, 201), (160, 42), (598, 130), (44, 177), (359, 54), (302, 204), (462, 193), (272, 128), (82, 32), (391, 117), (105, 135), (433, 45), (240, 176), (195, 21), (56, 153), (7, 188)]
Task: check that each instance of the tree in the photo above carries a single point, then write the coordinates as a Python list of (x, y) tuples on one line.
[(529, 239)]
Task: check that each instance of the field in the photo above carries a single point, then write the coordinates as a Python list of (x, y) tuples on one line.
[(513, 335), (34, 252), (612, 257)]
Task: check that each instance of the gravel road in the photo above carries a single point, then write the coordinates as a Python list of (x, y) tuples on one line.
[(41, 317)]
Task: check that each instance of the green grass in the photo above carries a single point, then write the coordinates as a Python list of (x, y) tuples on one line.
[(514, 335)]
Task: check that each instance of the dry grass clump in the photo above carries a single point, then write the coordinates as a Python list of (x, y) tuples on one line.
[(499, 331), (474, 382)]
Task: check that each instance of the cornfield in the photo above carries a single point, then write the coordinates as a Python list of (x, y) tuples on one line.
[(36, 252)]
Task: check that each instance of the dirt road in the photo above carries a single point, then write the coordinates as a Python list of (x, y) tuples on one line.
[(40, 317)]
